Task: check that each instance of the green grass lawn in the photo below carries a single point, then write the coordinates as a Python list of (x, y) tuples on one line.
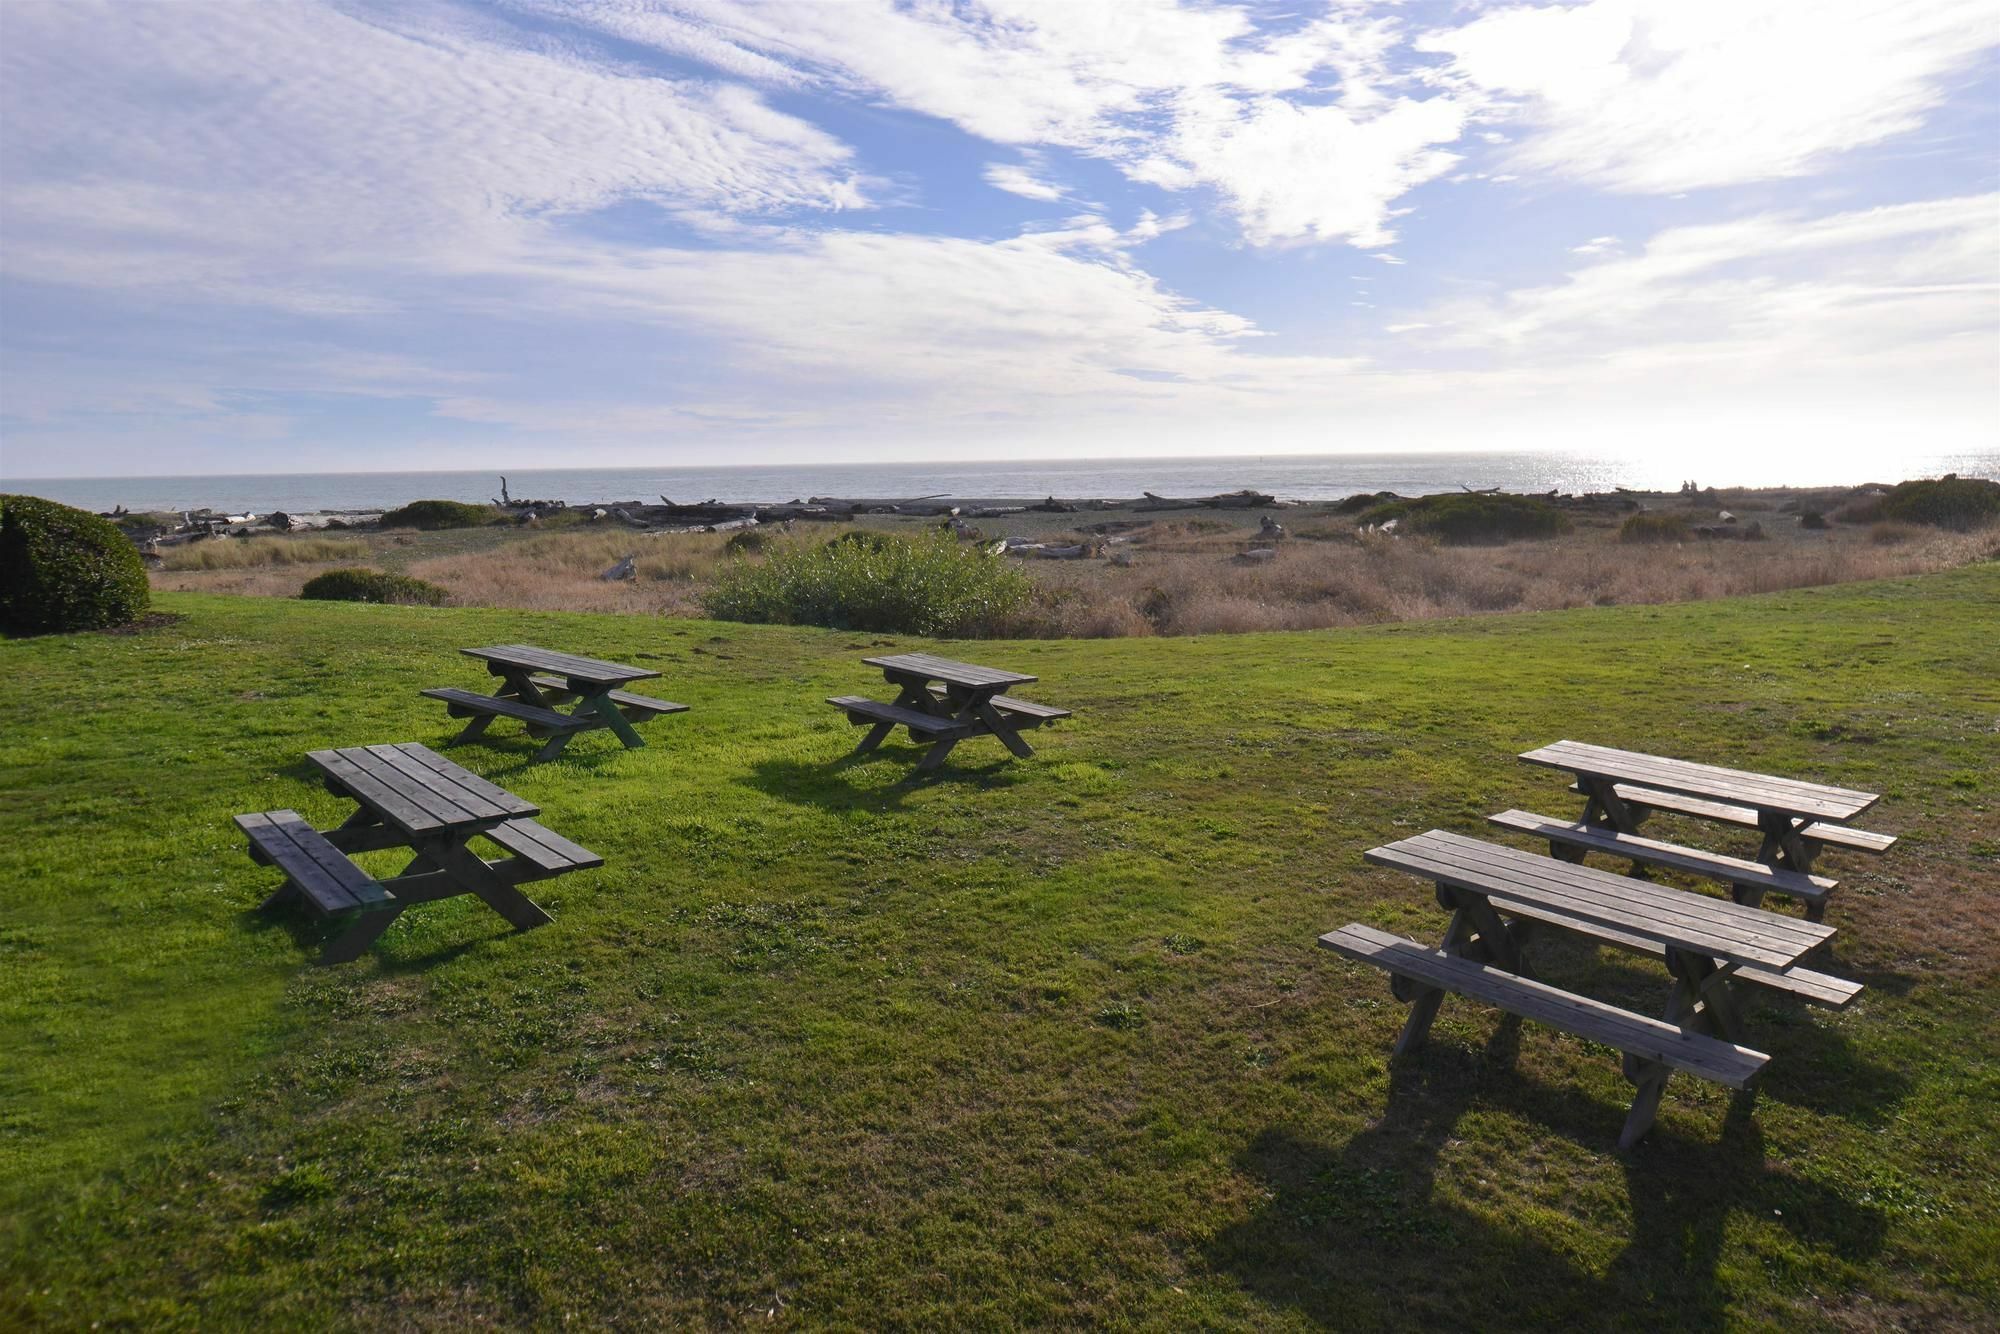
[(1039, 1041)]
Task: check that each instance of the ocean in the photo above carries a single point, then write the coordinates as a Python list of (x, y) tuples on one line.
[(1290, 477)]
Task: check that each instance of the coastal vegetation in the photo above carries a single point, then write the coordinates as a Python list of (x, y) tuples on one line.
[(1041, 1043), (356, 585), (236, 553), (926, 585), (63, 569), (1946, 502), (432, 515), (1473, 518)]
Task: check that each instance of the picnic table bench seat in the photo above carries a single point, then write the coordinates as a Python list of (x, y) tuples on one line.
[(470, 703), (545, 852), (1638, 1035), (318, 871), (861, 709), (630, 701), (1029, 713), (1748, 881), (1673, 803)]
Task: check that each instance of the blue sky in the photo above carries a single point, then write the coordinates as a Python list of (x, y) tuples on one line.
[(319, 235)]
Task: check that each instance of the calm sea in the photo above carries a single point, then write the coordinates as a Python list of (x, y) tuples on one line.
[(1290, 477)]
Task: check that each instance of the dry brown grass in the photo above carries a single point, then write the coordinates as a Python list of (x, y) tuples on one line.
[(560, 572), (1312, 585), (237, 553)]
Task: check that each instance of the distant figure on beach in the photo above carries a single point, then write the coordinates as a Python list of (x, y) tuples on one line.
[(1270, 530)]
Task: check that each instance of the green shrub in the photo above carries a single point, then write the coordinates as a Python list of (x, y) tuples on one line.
[(63, 569), (430, 515), (1464, 519), (1362, 500), (927, 585), (1654, 528), (1944, 502), (373, 586)]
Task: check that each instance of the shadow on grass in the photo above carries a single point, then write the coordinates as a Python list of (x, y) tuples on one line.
[(1355, 1236), (827, 784)]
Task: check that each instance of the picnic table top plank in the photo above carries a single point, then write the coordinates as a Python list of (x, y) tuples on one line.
[(929, 667), (1697, 922), (1765, 792), (590, 671), (417, 790)]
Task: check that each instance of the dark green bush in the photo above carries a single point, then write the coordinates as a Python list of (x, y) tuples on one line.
[(1463, 519), (1944, 502), (1362, 500), (63, 569), (356, 585), (927, 585), (1654, 527), (431, 515)]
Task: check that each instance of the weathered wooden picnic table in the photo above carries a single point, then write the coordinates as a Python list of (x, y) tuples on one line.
[(408, 796), (1622, 788), (943, 702), (1498, 898), (535, 682)]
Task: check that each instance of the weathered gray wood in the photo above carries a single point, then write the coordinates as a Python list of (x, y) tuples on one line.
[(1711, 926), (624, 699), (471, 702), (316, 868), (927, 667), (591, 671), (547, 851), (1674, 803), (861, 710), (1714, 866), (344, 776), (1021, 712), (1648, 1038), (1765, 792)]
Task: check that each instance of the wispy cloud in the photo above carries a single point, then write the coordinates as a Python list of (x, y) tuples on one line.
[(1018, 180)]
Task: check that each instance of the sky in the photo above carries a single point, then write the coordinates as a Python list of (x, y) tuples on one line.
[(333, 235)]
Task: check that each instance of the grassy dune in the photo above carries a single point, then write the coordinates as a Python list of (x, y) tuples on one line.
[(1044, 1041)]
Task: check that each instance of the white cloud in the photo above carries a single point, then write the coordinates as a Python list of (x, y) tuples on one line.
[(1659, 96), (1596, 245), (1304, 132), (271, 152), (1018, 180)]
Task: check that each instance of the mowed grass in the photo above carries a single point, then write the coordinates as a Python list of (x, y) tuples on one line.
[(1031, 1042)]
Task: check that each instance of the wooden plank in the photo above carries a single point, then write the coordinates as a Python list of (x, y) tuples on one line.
[(460, 785), (624, 699), (896, 715), (1641, 1035), (1674, 917), (1835, 993), (595, 671), (1641, 904), (328, 879), (1024, 712), (542, 846), (446, 798), (1674, 803), (470, 701), (1715, 866), (344, 775), (1766, 792), (932, 668)]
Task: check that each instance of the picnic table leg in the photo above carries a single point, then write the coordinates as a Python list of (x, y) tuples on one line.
[(1785, 847), (468, 869), (1010, 736), (473, 730), (601, 704), (1605, 808), (1424, 1001), (874, 737), (935, 755), (366, 928)]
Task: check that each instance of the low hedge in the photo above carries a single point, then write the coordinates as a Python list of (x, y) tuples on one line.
[(1466, 519), (1944, 502), (431, 515), (64, 569), (355, 585)]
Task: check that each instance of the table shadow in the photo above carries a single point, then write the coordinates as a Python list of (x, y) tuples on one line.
[(1354, 1235), (826, 783)]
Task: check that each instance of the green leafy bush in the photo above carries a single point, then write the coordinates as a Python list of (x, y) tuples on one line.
[(1463, 519), (1944, 502), (63, 569), (373, 586), (1654, 528), (927, 585), (430, 515)]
